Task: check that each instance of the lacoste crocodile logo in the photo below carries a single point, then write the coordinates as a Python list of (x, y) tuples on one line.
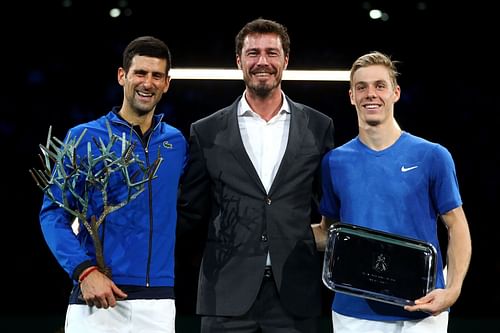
[(403, 169)]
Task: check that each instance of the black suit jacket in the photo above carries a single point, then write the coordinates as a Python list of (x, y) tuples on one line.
[(222, 187)]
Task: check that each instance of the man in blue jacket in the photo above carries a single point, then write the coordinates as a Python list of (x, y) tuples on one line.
[(138, 239)]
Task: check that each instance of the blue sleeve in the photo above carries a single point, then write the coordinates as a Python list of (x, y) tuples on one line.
[(56, 226), (329, 204), (444, 190)]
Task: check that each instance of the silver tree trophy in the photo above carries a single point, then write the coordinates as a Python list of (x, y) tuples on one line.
[(61, 167)]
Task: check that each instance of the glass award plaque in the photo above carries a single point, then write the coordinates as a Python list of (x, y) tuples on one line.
[(377, 265)]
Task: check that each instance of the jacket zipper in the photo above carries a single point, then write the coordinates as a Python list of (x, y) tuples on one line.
[(150, 196)]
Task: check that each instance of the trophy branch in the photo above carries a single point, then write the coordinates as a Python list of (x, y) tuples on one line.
[(76, 177)]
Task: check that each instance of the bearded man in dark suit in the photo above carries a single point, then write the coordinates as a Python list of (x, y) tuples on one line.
[(253, 176)]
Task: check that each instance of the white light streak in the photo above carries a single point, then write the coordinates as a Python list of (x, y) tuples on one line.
[(236, 74)]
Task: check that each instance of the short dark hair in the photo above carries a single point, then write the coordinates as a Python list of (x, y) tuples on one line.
[(263, 26), (146, 46)]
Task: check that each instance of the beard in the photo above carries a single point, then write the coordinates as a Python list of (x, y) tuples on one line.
[(262, 89), (141, 109)]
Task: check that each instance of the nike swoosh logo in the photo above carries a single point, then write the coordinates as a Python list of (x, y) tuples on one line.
[(403, 169)]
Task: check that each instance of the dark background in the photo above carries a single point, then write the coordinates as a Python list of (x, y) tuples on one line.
[(59, 65)]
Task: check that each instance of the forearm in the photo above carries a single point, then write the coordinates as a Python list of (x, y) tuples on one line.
[(459, 250), (458, 257)]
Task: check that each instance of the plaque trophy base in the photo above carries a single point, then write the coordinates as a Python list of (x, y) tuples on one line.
[(377, 265)]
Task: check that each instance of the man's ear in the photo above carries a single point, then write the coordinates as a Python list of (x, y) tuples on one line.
[(397, 93), (167, 84), (238, 62), (121, 76)]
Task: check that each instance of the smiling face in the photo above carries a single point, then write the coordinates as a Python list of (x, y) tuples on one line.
[(262, 62), (144, 84), (373, 94)]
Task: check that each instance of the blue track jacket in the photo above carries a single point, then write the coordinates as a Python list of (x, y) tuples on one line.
[(139, 238)]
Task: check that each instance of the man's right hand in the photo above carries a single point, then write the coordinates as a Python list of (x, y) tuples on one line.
[(320, 231), (100, 291)]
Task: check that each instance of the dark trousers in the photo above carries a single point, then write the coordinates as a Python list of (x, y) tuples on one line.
[(266, 315)]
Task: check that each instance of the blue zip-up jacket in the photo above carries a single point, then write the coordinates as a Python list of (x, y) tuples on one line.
[(138, 239)]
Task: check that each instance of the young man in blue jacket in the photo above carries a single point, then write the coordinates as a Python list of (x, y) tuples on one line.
[(137, 239)]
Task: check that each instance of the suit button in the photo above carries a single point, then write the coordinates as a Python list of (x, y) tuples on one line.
[(263, 238), (268, 200)]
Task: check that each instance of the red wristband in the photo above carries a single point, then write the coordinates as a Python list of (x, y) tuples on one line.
[(86, 273)]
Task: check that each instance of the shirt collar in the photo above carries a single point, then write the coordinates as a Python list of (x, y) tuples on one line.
[(245, 109)]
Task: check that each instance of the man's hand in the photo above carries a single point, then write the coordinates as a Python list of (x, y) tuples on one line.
[(320, 231), (435, 302), (320, 236), (98, 290)]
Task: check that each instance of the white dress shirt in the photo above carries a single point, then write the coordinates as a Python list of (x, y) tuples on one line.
[(265, 141)]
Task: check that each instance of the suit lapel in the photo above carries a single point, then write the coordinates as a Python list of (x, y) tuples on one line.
[(298, 123), (230, 138)]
